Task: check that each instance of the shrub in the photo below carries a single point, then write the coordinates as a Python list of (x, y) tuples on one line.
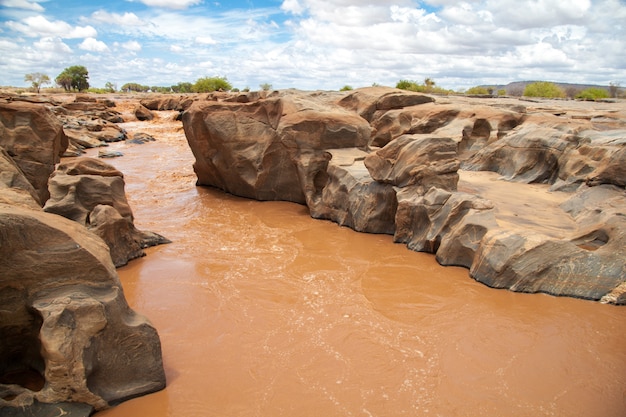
[(428, 86), (210, 84), (593, 94), (346, 88), (477, 90), (544, 89), (266, 86)]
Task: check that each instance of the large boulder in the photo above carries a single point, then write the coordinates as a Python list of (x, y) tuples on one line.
[(91, 193), (68, 334), (33, 136), (265, 149)]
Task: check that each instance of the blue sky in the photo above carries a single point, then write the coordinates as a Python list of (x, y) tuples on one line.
[(315, 44)]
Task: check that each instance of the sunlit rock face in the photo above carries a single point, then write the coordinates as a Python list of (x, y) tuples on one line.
[(382, 160)]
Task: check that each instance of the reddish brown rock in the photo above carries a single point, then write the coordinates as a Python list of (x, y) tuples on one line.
[(417, 160), (33, 137), (65, 318), (91, 193)]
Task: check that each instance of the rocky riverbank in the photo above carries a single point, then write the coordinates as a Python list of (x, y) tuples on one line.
[(382, 160)]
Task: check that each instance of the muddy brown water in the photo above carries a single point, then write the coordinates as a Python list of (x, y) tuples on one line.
[(263, 311)]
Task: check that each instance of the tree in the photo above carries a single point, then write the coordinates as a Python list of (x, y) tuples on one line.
[(73, 78), (110, 87), (37, 79), (210, 84), (544, 89), (182, 87), (266, 86), (138, 88)]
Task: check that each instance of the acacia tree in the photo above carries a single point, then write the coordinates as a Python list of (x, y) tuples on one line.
[(73, 78), (37, 79)]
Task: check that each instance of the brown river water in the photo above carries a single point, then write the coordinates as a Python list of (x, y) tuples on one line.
[(264, 311)]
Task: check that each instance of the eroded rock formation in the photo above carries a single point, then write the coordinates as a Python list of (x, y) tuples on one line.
[(382, 160), (69, 343), (64, 319)]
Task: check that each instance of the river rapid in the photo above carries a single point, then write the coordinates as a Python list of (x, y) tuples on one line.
[(264, 311)]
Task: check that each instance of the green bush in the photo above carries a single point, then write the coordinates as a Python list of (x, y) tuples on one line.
[(210, 84), (544, 89), (428, 87), (346, 88), (593, 94), (477, 91)]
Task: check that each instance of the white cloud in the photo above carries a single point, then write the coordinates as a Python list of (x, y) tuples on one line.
[(177, 49), (132, 46), (93, 45), (22, 4), (126, 19), (50, 45), (171, 4), (37, 26), (205, 40)]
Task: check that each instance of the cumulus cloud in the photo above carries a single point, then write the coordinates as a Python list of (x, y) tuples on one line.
[(38, 26), (50, 45), (22, 4), (93, 45), (132, 46), (126, 19)]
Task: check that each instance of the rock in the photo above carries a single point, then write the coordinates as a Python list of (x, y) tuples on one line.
[(367, 101), (416, 160), (78, 187), (531, 262), (14, 187), (109, 154), (33, 137), (65, 319), (167, 102), (91, 193), (446, 223), (261, 149), (351, 197), (38, 409), (530, 154), (142, 114), (140, 138)]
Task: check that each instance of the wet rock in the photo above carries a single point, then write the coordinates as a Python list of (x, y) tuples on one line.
[(66, 320), (143, 114), (140, 138), (446, 223), (34, 138), (91, 193), (352, 198)]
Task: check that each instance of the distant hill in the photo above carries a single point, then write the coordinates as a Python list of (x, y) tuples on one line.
[(516, 88)]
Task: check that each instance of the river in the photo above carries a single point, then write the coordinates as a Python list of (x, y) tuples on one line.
[(264, 311)]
